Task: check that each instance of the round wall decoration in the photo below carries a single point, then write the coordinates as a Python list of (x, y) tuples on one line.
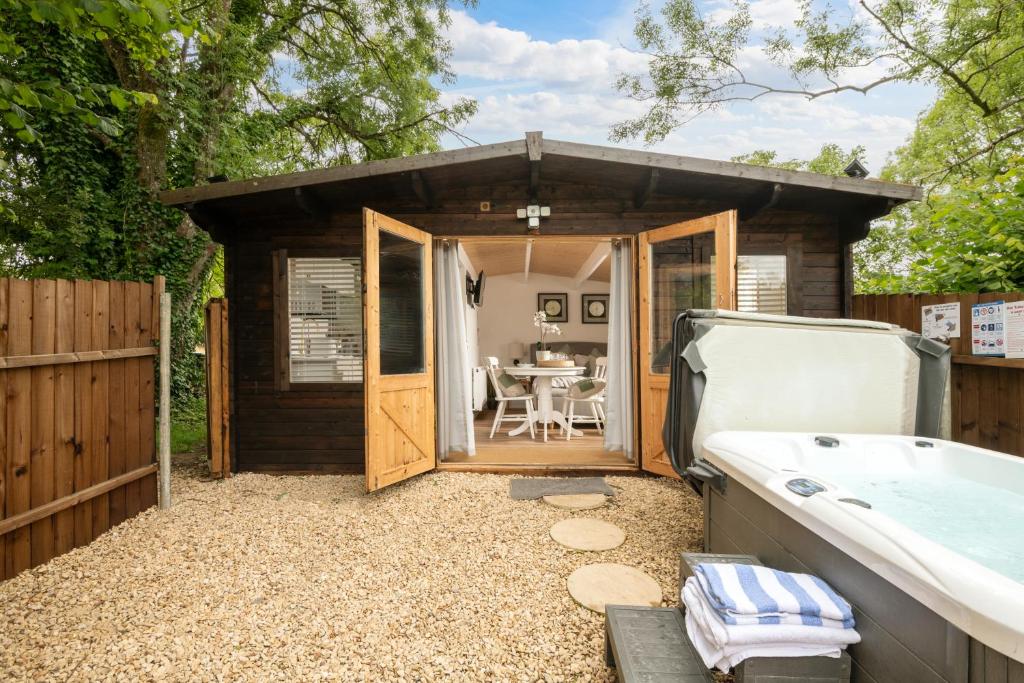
[(595, 308), (555, 306)]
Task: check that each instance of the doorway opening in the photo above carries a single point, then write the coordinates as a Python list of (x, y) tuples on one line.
[(519, 380), (429, 288)]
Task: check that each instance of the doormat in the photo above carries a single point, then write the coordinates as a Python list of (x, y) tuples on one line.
[(531, 489)]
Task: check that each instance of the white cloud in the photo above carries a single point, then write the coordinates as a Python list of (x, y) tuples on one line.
[(573, 116), (764, 14), (491, 52)]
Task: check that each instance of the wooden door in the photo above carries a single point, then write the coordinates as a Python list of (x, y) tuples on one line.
[(399, 350), (681, 266)]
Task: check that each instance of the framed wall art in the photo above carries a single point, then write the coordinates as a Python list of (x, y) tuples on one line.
[(556, 306), (595, 309)]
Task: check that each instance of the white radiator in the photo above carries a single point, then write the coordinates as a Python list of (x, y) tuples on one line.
[(479, 388)]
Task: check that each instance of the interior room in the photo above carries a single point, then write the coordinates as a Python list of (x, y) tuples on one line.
[(514, 371)]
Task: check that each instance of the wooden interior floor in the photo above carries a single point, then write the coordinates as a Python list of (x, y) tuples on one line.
[(580, 451)]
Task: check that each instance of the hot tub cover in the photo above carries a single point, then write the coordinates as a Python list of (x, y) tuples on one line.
[(749, 371)]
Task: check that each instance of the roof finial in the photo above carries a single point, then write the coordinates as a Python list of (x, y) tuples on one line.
[(856, 169)]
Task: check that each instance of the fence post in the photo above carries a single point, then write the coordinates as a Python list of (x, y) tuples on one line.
[(165, 400)]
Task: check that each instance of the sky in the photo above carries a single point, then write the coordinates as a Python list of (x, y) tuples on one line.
[(551, 66)]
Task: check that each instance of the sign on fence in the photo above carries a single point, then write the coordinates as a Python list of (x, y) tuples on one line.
[(941, 321), (987, 329), (1014, 312)]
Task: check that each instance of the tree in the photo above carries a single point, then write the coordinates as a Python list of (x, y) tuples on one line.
[(144, 31), (931, 245), (831, 159), (967, 239), (232, 87), (972, 49)]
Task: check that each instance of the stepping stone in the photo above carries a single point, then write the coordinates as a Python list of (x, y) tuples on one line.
[(587, 534), (577, 501), (597, 585)]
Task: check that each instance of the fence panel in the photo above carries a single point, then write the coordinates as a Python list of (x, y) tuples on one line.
[(987, 394), (76, 377)]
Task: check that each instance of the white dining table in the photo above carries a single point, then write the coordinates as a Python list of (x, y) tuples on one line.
[(546, 413)]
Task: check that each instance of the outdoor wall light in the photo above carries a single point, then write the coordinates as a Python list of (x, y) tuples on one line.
[(533, 213)]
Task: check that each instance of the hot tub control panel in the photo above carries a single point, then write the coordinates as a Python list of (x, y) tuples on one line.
[(804, 487)]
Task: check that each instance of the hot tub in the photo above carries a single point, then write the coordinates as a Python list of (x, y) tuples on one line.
[(925, 538)]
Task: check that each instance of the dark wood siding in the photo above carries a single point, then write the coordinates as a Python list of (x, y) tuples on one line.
[(811, 242), (295, 429)]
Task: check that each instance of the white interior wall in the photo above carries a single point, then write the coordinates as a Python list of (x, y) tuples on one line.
[(509, 303), (472, 334)]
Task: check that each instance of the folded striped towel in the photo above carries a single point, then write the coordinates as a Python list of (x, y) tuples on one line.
[(751, 594), (724, 646)]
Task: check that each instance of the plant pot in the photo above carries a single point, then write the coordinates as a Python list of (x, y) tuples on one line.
[(543, 355)]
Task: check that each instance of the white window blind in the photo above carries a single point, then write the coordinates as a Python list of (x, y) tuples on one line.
[(761, 284), (325, 307)]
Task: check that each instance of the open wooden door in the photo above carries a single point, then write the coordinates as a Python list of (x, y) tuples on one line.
[(399, 352), (681, 266)]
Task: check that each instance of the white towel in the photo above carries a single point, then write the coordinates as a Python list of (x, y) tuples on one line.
[(725, 645), (725, 658)]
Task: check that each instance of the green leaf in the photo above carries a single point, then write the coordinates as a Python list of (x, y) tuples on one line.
[(13, 120), (108, 126), (143, 98), (26, 96), (118, 99)]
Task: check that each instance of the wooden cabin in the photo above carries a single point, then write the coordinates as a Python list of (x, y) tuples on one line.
[(694, 227)]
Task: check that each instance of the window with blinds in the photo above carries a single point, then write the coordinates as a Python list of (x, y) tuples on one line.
[(761, 284), (325, 307)]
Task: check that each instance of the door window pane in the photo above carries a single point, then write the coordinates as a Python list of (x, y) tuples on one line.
[(325, 314), (401, 305), (683, 277)]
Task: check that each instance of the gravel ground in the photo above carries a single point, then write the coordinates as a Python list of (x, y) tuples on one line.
[(307, 578)]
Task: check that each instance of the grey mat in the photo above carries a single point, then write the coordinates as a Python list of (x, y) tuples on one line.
[(531, 489)]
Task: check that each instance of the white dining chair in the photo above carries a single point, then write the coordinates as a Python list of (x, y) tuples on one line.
[(592, 396), (503, 397)]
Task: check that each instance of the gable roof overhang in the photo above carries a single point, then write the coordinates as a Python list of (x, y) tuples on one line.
[(427, 178)]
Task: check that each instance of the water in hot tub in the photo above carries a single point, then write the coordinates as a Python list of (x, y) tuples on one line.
[(982, 522)]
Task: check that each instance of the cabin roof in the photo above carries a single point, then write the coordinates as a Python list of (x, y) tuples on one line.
[(534, 160)]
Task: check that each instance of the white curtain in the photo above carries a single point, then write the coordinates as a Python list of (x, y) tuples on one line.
[(618, 433), (453, 374)]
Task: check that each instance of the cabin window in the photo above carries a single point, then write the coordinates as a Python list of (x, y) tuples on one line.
[(325, 320), (761, 283)]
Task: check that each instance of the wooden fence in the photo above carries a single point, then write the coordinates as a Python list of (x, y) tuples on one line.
[(987, 393), (77, 450), (218, 412)]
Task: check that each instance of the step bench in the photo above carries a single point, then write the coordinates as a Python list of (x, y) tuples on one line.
[(650, 644)]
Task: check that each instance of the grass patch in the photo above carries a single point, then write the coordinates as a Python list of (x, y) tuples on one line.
[(188, 426)]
